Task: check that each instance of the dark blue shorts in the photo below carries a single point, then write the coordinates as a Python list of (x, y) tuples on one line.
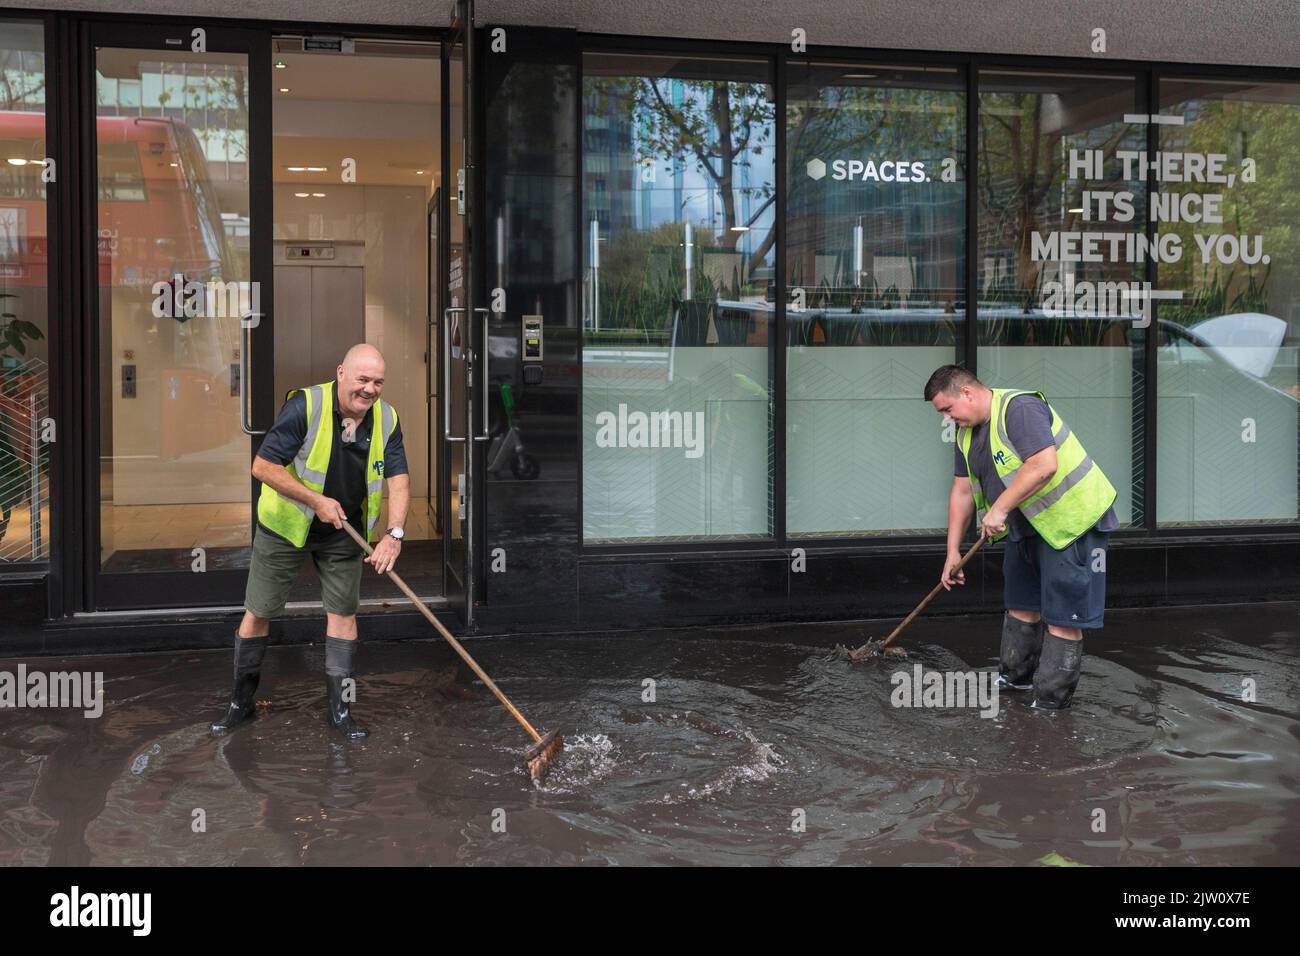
[(1061, 585)]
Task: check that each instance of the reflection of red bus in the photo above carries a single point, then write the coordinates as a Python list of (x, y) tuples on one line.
[(158, 212)]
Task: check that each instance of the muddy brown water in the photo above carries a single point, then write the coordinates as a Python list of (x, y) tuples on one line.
[(752, 731)]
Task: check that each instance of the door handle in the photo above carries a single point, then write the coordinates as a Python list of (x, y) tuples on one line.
[(484, 362), (245, 368), (446, 378)]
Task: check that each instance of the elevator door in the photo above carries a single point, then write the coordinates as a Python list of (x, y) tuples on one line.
[(321, 314)]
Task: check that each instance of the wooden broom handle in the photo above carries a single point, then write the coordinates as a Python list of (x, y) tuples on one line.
[(929, 597), (464, 654)]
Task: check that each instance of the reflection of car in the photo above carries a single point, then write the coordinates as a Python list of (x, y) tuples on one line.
[(1184, 346), (1249, 340)]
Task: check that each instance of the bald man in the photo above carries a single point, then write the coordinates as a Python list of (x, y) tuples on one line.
[(323, 461)]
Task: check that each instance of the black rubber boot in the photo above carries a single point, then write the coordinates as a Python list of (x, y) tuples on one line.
[(339, 655), (1018, 658), (248, 671), (1058, 672)]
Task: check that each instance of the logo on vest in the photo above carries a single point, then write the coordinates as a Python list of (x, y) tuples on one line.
[(379, 468), (1000, 458)]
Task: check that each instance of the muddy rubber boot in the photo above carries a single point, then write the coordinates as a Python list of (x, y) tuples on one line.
[(339, 655), (1058, 672), (1018, 658), (248, 671)]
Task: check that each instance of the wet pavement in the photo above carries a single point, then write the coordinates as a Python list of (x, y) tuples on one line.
[(760, 746)]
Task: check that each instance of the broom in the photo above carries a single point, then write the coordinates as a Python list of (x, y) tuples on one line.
[(873, 649), (546, 746)]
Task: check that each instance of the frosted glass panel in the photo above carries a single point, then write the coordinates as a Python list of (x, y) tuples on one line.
[(675, 443)]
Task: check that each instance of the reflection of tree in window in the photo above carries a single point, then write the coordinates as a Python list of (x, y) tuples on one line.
[(1028, 124), (664, 151)]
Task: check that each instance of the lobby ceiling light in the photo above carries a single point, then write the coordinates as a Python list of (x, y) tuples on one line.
[(302, 195), (280, 64), (284, 89), (16, 161), (319, 195)]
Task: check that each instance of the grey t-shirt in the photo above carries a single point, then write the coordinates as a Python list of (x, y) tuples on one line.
[(1029, 426)]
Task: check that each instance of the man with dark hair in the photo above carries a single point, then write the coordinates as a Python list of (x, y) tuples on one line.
[(1027, 478)]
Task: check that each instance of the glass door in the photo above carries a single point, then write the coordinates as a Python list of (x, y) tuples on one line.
[(463, 338), (433, 344), (184, 332)]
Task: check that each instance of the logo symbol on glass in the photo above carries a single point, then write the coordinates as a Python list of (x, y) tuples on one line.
[(885, 171)]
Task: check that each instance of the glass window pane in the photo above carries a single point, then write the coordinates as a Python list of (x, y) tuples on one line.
[(174, 474), (1061, 262), (152, 87), (128, 93), (875, 268), (24, 302), (678, 238), (1228, 379)]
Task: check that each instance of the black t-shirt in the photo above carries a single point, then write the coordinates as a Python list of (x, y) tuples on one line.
[(1029, 426), (345, 480)]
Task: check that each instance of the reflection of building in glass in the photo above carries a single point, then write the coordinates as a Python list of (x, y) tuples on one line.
[(1028, 126), (887, 229), (654, 156)]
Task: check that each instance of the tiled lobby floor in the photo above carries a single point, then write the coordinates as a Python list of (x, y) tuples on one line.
[(183, 527)]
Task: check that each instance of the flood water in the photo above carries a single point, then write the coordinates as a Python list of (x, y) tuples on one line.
[(751, 733)]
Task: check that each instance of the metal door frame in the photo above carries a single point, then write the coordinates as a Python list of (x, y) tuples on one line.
[(214, 587), (460, 578)]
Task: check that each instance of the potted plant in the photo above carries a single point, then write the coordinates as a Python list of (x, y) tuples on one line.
[(693, 314), (733, 324), (846, 327)]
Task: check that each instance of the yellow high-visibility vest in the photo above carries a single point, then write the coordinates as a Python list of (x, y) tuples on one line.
[(1070, 503), (292, 519)]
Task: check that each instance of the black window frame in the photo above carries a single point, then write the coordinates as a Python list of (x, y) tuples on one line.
[(1147, 75)]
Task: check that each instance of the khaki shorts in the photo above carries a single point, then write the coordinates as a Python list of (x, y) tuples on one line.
[(276, 564)]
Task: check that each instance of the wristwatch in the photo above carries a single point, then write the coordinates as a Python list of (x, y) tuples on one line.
[(397, 533)]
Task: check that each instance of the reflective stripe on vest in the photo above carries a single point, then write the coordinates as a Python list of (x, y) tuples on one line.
[(1049, 498), (981, 503), (315, 402), (379, 434)]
